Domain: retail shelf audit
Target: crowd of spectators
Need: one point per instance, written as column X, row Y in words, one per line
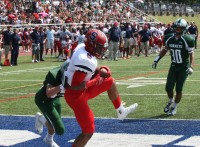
column 64, row 11
column 70, row 13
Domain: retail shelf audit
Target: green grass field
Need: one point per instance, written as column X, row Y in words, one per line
column 136, row 81
column 168, row 19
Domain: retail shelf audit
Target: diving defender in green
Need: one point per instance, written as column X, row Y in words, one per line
column 181, row 47
column 48, row 101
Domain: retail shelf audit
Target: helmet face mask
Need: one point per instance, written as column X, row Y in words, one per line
column 179, row 30
column 180, row 26
column 100, row 50
column 96, row 43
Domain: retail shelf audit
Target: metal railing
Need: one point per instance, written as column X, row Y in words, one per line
column 139, row 13
column 151, row 7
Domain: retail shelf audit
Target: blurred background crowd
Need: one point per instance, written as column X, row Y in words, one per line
column 64, row 11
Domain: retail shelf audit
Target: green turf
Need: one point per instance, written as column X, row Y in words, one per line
column 17, row 97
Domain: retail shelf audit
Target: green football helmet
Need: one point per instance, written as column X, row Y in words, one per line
column 180, row 26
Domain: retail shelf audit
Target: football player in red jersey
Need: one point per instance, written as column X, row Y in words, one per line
column 83, row 70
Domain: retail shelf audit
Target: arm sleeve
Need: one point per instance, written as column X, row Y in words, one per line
column 78, row 78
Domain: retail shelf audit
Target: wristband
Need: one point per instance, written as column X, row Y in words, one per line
column 53, row 96
column 61, row 87
column 157, row 58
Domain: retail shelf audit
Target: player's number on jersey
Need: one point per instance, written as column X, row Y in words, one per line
column 176, row 56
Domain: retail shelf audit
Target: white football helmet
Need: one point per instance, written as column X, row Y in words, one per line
column 180, row 26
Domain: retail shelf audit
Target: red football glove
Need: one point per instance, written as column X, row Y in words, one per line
column 108, row 74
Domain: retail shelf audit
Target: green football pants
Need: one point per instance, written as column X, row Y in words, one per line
column 51, row 109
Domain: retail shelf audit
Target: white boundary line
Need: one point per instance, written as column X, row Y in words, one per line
column 108, row 118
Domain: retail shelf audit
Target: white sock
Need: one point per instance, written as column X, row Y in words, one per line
column 171, row 100
column 42, row 119
column 121, row 107
column 49, row 137
column 175, row 105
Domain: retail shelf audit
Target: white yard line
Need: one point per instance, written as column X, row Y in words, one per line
column 15, row 93
column 21, row 80
column 50, row 67
column 26, row 70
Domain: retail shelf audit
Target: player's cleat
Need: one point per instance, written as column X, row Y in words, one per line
column 172, row 111
column 167, row 108
column 122, row 113
column 38, row 123
column 51, row 143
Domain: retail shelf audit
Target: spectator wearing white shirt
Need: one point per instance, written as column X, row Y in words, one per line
column 81, row 37
column 50, row 39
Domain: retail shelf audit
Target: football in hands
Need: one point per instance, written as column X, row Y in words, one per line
column 104, row 73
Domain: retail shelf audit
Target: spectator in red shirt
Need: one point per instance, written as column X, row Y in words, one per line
column 69, row 20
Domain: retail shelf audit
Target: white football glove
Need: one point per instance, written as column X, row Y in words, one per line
column 189, row 71
column 62, row 89
column 154, row 64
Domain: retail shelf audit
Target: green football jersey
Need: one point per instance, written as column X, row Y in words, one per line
column 53, row 78
column 179, row 48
